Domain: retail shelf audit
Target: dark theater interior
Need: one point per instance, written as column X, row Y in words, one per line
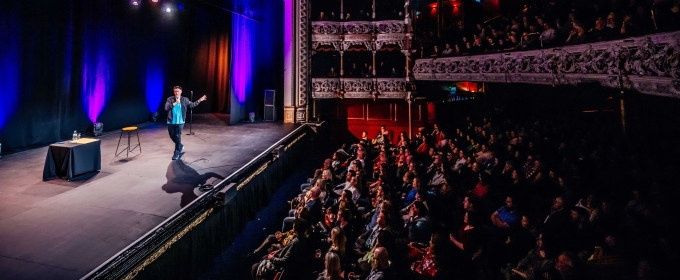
column 339, row 139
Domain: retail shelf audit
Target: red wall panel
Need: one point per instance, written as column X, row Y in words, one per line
column 369, row 115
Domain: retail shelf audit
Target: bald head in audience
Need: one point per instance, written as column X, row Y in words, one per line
column 381, row 258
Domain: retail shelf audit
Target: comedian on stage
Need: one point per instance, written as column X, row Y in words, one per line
column 176, row 106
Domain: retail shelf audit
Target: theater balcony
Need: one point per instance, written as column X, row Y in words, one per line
column 380, row 48
column 648, row 64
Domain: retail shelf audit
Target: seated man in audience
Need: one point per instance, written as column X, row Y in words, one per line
column 448, row 51
column 548, row 35
column 380, row 268
column 419, row 226
column 558, row 221
column 436, row 173
column 345, row 185
column 312, row 204
column 507, row 216
column 291, row 259
column 378, row 236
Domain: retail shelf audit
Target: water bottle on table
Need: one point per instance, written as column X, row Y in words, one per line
column 75, row 136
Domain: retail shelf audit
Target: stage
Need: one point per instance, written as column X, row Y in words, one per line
column 61, row 230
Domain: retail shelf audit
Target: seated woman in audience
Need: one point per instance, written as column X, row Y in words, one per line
column 588, row 203
column 536, row 263
column 338, row 244
column 332, row 268
column 469, row 242
column 435, row 261
column 424, row 147
column 377, row 195
column 481, row 189
column 577, row 35
column 383, row 138
column 403, row 137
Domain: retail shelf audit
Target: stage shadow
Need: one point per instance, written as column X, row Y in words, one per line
column 184, row 179
column 122, row 159
column 84, row 177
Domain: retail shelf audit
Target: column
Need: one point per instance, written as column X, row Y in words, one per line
column 373, row 15
column 374, row 69
column 439, row 18
column 410, row 117
column 289, row 61
column 342, row 63
column 301, row 84
column 342, row 10
column 407, row 70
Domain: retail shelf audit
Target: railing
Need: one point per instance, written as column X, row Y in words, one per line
column 372, row 34
column 243, row 193
column 649, row 64
column 358, row 27
column 383, row 88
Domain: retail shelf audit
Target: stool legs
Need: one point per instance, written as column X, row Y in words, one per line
column 121, row 136
column 138, row 141
column 129, row 148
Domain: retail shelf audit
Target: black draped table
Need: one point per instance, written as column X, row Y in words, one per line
column 71, row 159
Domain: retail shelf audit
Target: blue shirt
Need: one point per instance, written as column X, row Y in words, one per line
column 177, row 114
column 410, row 197
column 513, row 219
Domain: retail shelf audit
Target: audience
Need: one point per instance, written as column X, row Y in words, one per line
column 544, row 24
column 499, row 200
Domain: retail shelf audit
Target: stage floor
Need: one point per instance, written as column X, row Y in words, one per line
column 63, row 230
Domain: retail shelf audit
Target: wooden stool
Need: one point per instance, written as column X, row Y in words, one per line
column 129, row 149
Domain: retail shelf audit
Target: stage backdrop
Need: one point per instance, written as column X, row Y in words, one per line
column 65, row 64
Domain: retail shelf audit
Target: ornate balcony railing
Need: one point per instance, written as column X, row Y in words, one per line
column 383, row 88
column 371, row 34
column 649, row 64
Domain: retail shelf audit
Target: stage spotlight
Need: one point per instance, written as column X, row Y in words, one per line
column 168, row 10
column 135, row 2
column 155, row 1
column 97, row 129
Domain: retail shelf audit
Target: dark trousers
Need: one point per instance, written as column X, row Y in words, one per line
column 175, row 131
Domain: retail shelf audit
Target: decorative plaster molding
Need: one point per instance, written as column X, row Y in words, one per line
column 371, row 34
column 303, row 58
column 387, row 88
column 390, row 27
column 325, row 85
column 357, row 27
column 649, row 64
column 327, row 27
